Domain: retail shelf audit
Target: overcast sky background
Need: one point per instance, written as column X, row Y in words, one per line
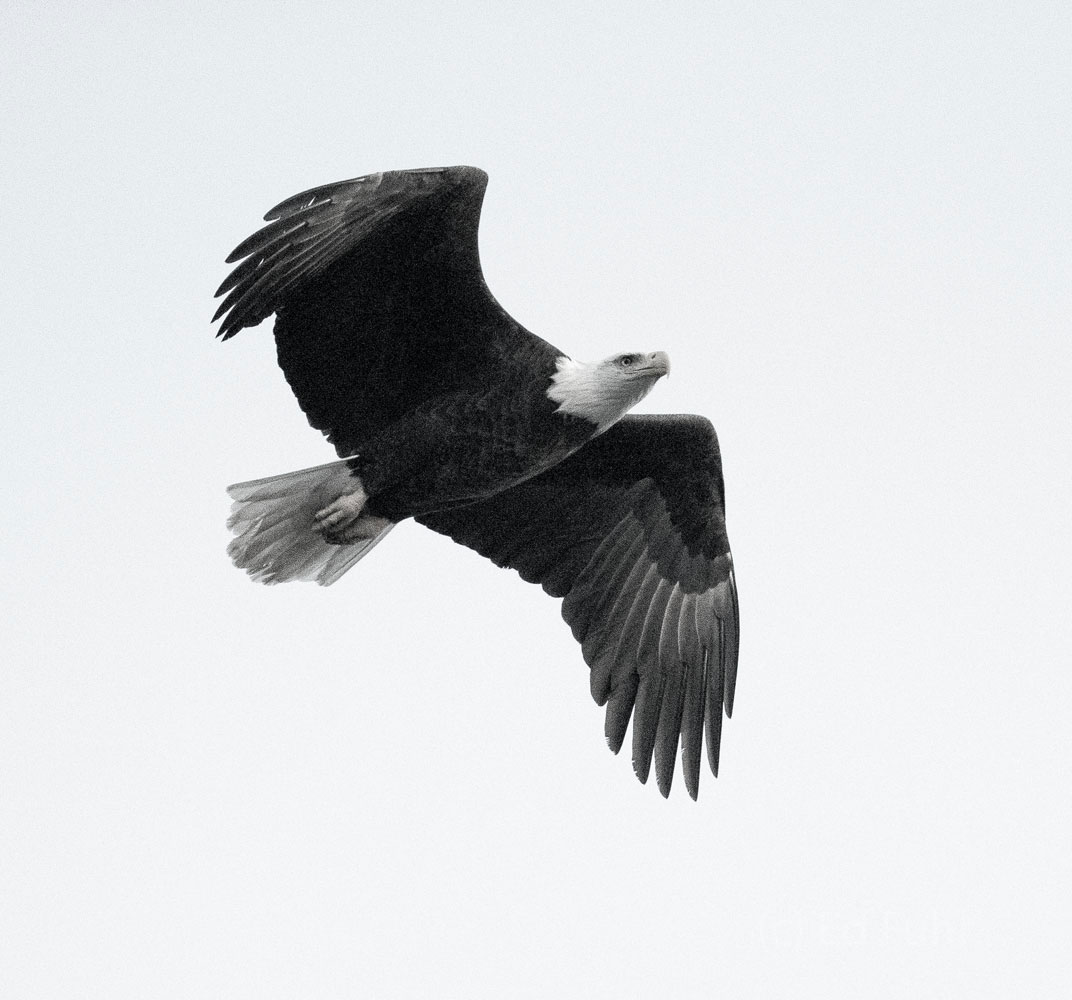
column 850, row 225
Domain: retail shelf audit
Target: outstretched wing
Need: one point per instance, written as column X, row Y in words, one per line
column 631, row 531
column 380, row 300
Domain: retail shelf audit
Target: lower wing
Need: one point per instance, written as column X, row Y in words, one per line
column 631, row 532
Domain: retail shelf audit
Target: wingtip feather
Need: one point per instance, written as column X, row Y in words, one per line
column 619, row 708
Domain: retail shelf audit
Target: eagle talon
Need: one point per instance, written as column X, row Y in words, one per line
column 336, row 517
column 365, row 527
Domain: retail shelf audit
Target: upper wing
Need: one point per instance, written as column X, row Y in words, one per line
column 379, row 296
column 631, row 531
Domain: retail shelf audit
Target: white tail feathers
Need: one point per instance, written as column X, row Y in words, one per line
column 276, row 538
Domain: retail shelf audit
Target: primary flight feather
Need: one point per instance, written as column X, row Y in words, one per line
column 445, row 409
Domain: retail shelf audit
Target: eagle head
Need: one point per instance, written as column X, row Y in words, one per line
column 604, row 391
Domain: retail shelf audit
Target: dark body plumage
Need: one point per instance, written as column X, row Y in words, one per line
column 438, row 400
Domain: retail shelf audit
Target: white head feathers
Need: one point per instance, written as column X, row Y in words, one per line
column 604, row 391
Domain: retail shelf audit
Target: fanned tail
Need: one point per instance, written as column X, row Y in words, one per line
column 275, row 536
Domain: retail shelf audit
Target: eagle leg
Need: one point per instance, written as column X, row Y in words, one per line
column 343, row 515
column 365, row 527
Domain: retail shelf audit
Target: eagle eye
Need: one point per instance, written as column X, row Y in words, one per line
column 628, row 360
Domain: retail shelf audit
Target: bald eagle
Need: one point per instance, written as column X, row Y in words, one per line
column 443, row 408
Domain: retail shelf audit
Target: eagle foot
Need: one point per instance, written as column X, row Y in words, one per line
column 337, row 517
column 365, row 527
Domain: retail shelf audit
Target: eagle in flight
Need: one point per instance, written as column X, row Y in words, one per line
column 445, row 409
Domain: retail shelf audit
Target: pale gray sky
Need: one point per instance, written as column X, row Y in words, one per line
column 849, row 224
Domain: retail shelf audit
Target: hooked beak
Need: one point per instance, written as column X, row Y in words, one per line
column 659, row 363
